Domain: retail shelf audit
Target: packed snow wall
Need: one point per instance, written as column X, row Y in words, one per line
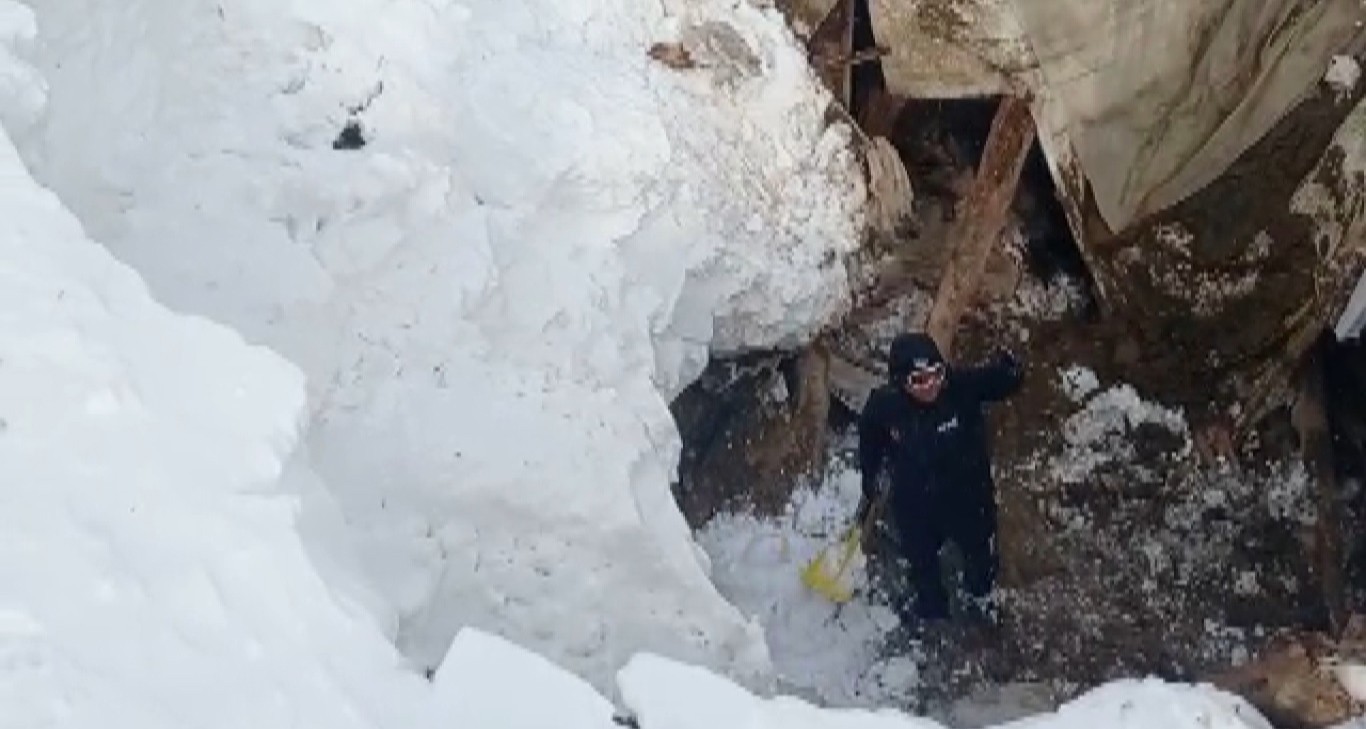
column 529, row 242
column 151, row 571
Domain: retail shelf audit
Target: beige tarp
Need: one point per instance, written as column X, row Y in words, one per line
column 1151, row 99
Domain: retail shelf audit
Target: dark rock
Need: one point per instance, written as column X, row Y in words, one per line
column 351, row 137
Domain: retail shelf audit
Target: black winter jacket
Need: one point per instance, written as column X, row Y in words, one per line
column 932, row 447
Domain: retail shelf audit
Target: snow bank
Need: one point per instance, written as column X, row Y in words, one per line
column 667, row 695
column 486, row 682
column 663, row 694
column 150, row 575
column 494, row 298
column 1150, row 704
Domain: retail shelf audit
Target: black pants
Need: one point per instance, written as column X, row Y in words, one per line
column 925, row 521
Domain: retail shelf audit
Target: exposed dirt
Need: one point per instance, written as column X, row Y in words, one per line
column 753, row 426
column 1137, row 536
column 1123, row 554
column 1215, row 287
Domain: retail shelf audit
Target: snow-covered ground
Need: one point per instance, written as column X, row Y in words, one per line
column 830, row 655
column 663, row 694
column 843, row 657
column 834, row 656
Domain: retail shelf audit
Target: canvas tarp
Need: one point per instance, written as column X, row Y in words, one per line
column 1151, row 99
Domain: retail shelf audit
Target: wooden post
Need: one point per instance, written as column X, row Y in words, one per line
column 831, row 48
column 978, row 226
column 1311, row 421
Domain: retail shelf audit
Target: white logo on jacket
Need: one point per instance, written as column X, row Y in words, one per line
column 947, row 425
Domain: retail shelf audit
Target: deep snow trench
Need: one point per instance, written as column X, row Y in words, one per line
column 484, row 309
column 494, row 298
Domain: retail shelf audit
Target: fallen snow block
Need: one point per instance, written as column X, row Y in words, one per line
column 1150, row 704
column 488, row 682
column 663, row 694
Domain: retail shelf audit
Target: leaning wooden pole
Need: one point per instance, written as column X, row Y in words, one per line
column 977, row 228
column 982, row 217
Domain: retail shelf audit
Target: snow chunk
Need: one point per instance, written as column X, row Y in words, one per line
column 1047, row 301
column 1342, row 75
column 1079, row 382
column 664, row 694
column 1291, row 497
column 1098, row 434
column 667, row 695
column 489, row 682
column 1151, row 704
column 1246, row 583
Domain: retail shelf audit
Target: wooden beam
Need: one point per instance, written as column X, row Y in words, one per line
column 1310, row 417
column 975, row 230
column 978, row 226
column 830, row 48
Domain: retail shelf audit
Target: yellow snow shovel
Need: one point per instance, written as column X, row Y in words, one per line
column 827, row 573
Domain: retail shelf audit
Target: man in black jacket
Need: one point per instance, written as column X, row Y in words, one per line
column 927, row 423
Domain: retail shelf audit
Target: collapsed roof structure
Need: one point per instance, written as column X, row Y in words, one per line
column 1146, row 111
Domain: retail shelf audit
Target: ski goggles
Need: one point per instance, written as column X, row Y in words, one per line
column 926, row 376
